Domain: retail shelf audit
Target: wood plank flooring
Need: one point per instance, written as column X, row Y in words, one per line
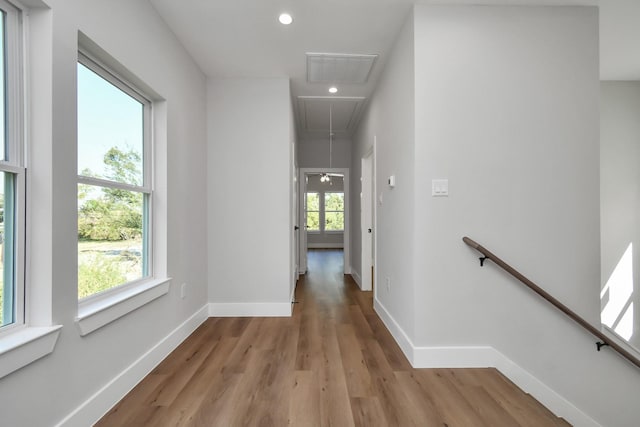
column 333, row 363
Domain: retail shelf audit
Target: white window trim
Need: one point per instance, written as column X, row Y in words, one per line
column 25, row 345
column 93, row 315
column 322, row 212
column 22, row 344
column 306, row 211
column 102, row 309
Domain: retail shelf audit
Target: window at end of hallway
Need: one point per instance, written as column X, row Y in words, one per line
column 312, row 210
column 334, row 211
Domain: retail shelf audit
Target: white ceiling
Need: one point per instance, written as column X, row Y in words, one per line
column 242, row 38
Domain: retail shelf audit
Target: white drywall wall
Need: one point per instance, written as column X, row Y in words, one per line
column 249, row 136
column 314, row 153
column 507, row 110
column 619, row 201
column 133, row 34
column 390, row 119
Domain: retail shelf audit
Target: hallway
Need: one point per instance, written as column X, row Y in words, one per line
column 333, row 363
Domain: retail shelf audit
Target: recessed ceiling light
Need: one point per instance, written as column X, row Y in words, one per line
column 285, row 19
column 333, row 89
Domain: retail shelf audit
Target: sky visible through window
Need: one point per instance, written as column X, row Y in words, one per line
column 107, row 118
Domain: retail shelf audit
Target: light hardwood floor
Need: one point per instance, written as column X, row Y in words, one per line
column 333, row 363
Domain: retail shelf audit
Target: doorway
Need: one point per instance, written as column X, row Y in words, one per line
column 305, row 174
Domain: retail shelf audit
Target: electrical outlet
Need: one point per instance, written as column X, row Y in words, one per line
column 388, row 283
column 183, row 290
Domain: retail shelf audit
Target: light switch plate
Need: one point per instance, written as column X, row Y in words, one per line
column 439, row 187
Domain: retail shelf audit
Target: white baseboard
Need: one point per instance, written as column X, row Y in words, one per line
column 483, row 357
column 325, row 245
column 104, row 399
column 356, row 278
column 397, row 332
column 543, row 393
column 241, row 309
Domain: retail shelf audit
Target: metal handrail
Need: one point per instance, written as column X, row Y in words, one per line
column 604, row 340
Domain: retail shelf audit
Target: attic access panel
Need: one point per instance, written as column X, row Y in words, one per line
column 344, row 68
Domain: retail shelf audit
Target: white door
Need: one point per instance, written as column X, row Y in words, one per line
column 295, row 262
column 366, row 221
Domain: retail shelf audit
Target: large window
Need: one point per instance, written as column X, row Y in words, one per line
column 114, row 181
column 12, row 171
column 324, row 211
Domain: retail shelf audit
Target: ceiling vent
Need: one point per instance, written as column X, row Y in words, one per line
column 339, row 67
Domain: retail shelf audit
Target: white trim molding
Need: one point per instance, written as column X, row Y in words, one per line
column 356, row 277
column 26, row 345
column 483, row 357
column 100, row 312
column 248, row 309
column 104, row 399
column 325, row 245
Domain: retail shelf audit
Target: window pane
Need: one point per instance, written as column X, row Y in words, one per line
column 3, row 80
column 110, row 130
column 334, row 201
column 7, row 275
column 111, row 226
column 313, row 221
column 334, row 221
column 313, row 202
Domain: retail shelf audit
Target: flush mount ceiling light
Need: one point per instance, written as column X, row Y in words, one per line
column 333, row 89
column 285, row 19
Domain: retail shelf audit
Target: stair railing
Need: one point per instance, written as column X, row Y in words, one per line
column 604, row 340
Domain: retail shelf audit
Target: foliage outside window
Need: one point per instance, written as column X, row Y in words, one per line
column 12, row 171
column 113, row 181
column 312, row 208
column 334, row 211
column 325, row 211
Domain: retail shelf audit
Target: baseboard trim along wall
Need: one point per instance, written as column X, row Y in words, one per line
column 104, row 399
column 356, row 278
column 325, row 245
column 483, row 357
column 242, row 309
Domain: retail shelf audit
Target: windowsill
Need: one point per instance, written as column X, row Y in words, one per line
column 26, row 345
column 96, row 314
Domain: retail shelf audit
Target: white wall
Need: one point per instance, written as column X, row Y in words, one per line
column 314, row 153
column 619, row 190
column 507, row 110
column 390, row 119
column 43, row 393
column 249, row 135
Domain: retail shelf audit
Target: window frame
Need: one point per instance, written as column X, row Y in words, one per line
column 97, row 66
column 324, row 212
column 14, row 156
column 306, row 211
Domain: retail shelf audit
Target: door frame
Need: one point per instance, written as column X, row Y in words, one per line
column 367, row 220
column 347, row 214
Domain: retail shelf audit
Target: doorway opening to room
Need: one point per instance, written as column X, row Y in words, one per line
column 324, row 213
